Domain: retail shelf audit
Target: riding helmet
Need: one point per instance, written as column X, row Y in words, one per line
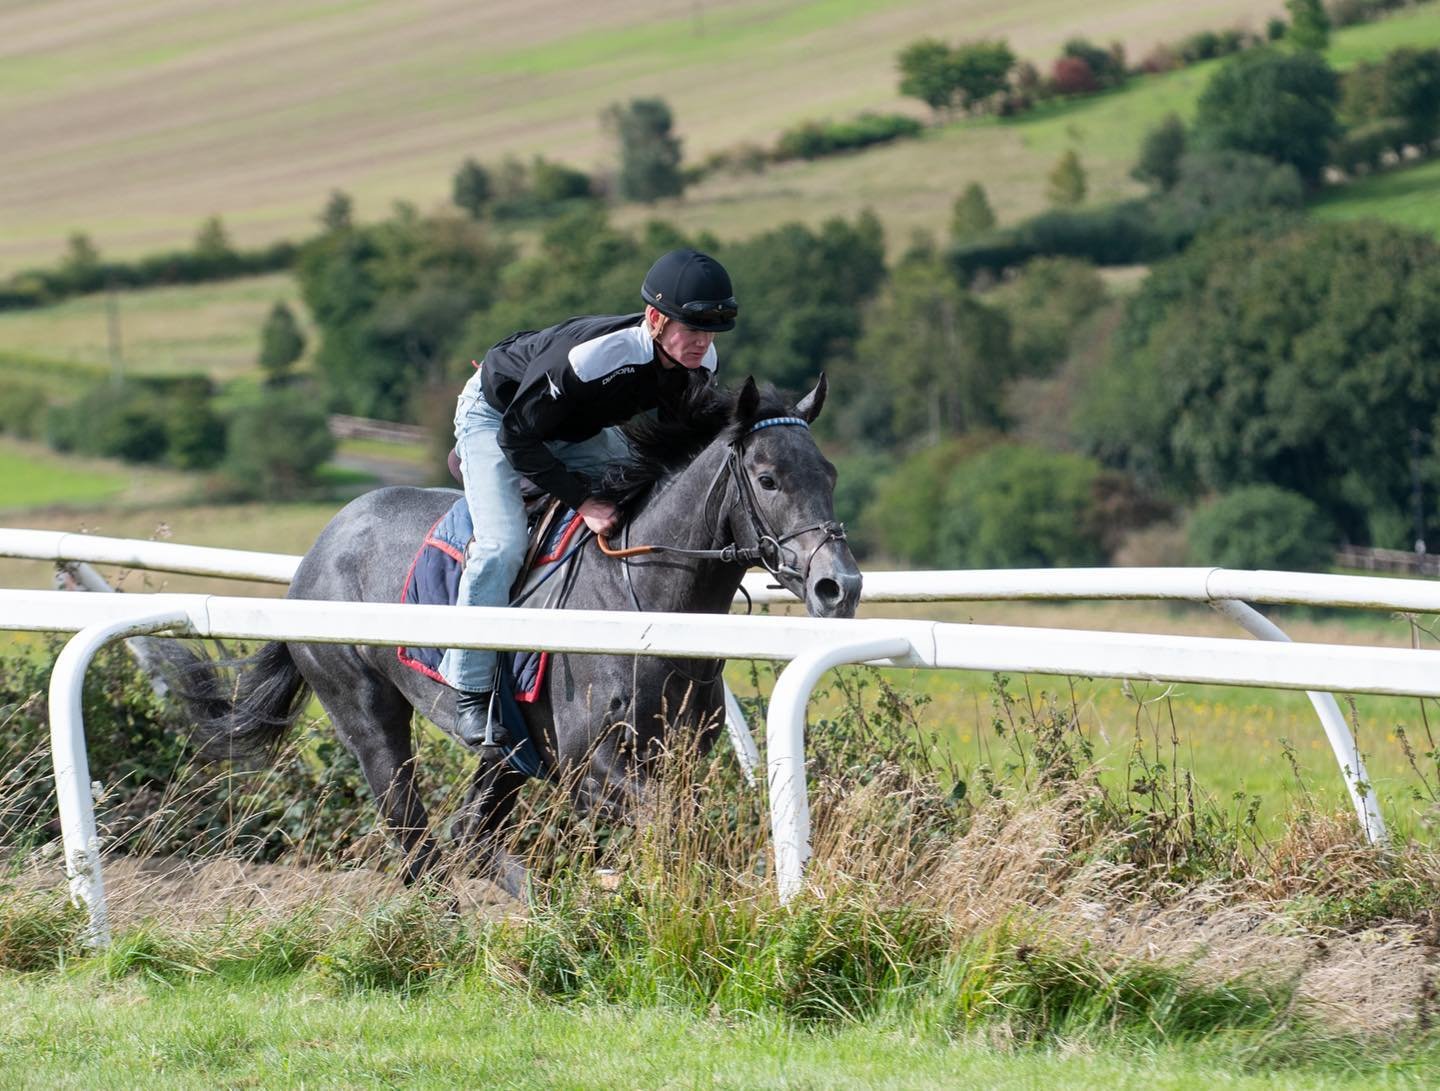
column 692, row 288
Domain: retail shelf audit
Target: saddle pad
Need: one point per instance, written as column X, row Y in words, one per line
column 434, row 579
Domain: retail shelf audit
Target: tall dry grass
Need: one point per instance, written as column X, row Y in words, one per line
column 1025, row 901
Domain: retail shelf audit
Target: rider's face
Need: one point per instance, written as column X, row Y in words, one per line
column 684, row 345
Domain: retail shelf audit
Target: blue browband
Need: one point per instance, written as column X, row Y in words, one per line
column 770, row 422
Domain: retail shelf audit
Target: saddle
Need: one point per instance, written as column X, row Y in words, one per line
column 434, row 579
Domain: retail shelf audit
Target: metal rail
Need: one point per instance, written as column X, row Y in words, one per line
column 810, row 645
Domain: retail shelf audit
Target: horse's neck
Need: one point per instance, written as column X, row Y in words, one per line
column 685, row 514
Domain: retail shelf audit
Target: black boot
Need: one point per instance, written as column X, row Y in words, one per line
column 474, row 709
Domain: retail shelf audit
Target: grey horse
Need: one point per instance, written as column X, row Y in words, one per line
column 750, row 486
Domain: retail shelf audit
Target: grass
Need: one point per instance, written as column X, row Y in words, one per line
column 1408, row 196
column 33, row 477
column 911, row 184
column 1012, row 940
column 78, row 1033
column 213, row 329
column 1037, row 922
column 136, row 128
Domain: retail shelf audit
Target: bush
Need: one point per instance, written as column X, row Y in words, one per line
column 146, row 420
column 901, row 517
column 1073, row 76
column 276, row 447
column 1107, row 66
column 1013, row 506
column 22, row 410
column 814, row 139
column 1262, row 526
column 858, row 478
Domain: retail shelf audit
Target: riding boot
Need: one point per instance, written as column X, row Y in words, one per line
column 479, row 724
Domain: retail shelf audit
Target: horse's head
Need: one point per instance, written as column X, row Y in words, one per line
column 785, row 502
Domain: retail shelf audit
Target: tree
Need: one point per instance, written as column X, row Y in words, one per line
column 213, row 241
column 942, row 356
column 926, row 73
column 1402, row 90
column 1012, row 506
column 276, row 446
column 81, row 266
column 391, row 301
column 1160, row 152
column 979, row 70
column 802, row 293
column 1309, row 25
column 971, row 214
column 471, row 190
column 1065, row 185
column 338, row 213
column 1280, row 105
column 649, row 150
column 1046, row 304
column 1292, row 354
column 281, row 343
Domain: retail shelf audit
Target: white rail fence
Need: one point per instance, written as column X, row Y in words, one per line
column 810, row 646
column 1225, row 590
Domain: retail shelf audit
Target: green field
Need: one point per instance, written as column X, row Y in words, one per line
column 214, row 328
column 208, row 328
column 1408, row 196
column 135, row 125
column 78, row 1032
column 778, row 66
column 911, row 184
column 33, row 477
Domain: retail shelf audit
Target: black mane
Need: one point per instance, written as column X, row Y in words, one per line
column 665, row 444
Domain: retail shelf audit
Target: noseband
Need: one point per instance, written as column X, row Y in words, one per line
column 770, row 550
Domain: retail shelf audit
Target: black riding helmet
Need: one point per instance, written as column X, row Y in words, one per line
column 693, row 288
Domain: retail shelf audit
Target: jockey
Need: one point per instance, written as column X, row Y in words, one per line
column 545, row 405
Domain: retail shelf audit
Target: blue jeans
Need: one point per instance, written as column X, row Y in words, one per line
column 492, row 489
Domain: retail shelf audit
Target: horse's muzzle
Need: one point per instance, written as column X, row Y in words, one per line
column 834, row 593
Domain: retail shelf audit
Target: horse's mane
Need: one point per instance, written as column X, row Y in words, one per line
column 663, row 444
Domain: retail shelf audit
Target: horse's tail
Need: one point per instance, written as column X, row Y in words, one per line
column 244, row 714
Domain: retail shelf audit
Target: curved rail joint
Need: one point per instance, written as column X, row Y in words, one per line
column 1342, row 742
column 785, row 747
column 72, row 765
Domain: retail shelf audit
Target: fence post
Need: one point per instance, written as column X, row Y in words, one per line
column 72, row 764
column 785, row 747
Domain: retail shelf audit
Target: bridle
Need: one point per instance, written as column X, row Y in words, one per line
column 770, row 550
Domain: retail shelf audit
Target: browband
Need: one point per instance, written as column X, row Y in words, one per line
column 770, row 422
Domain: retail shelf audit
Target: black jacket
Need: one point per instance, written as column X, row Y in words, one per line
column 568, row 383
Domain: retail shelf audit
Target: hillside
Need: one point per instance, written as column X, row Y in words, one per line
column 133, row 121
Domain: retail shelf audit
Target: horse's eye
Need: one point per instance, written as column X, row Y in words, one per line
column 767, row 482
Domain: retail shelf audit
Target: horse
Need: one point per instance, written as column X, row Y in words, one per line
column 732, row 481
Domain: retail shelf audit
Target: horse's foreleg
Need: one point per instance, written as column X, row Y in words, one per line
column 484, row 823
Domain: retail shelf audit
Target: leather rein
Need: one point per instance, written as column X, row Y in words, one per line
column 770, row 549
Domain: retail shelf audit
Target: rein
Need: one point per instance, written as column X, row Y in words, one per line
column 770, row 549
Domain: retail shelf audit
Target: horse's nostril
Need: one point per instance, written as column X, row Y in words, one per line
column 827, row 590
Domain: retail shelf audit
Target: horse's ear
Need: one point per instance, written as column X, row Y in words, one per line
column 809, row 406
column 748, row 403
